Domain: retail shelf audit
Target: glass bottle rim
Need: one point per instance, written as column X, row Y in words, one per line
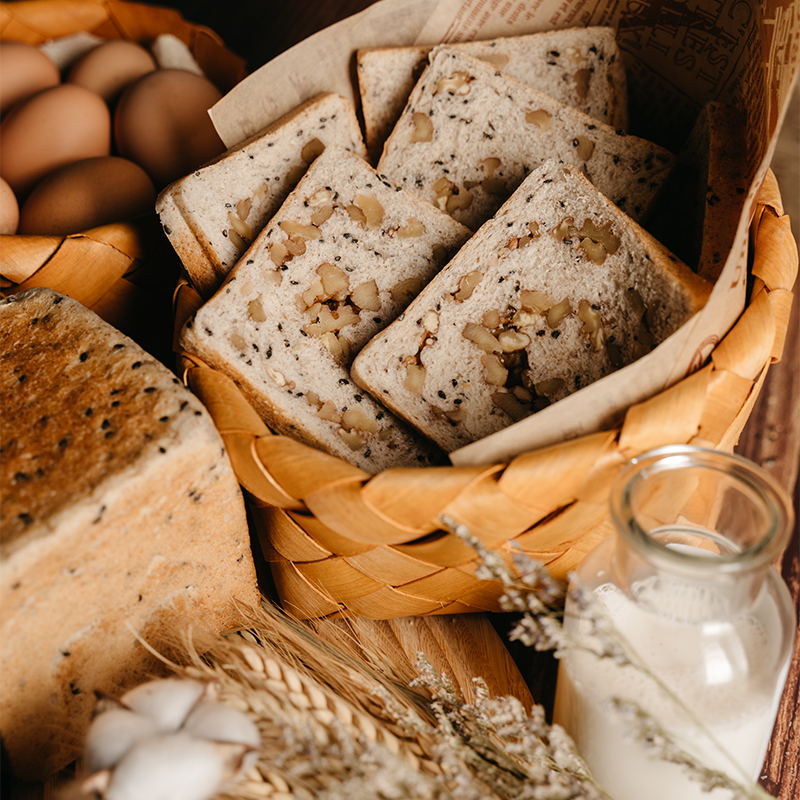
column 779, row 511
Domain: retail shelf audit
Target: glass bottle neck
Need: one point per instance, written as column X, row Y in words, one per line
column 699, row 593
column 696, row 531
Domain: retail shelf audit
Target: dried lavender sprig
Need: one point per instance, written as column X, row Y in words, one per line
column 659, row 744
column 518, row 754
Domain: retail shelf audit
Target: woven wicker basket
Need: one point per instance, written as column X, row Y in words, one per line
column 342, row 541
column 125, row 272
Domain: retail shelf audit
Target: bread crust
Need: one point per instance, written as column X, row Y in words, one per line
column 122, row 523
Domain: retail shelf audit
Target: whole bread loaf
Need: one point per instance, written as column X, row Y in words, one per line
column 557, row 290
column 580, row 67
column 213, row 214
column 340, row 260
column 470, row 134
column 120, row 517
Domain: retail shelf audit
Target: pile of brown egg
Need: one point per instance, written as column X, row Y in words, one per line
column 91, row 141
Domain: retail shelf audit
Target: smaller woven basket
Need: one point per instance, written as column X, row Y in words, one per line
column 341, row 541
column 124, row 271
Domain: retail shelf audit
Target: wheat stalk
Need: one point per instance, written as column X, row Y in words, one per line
column 337, row 721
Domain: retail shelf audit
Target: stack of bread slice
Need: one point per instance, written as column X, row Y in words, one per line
column 579, row 67
column 341, row 259
column 552, row 283
column 213, row 214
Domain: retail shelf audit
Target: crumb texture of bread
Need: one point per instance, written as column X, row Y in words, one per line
column 470, row 134
column 212, row 215
column 580, row 67
column 121, row 518
column 557, row 290
column 342, row 258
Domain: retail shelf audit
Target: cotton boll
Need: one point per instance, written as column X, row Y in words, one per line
column 168, row 700
column 221, row 723
column 173, row 766
column 112, row 734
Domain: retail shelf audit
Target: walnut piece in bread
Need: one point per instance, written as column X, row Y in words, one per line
column 558, row 289
column 120, row 517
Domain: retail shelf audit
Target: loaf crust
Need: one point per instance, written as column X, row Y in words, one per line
column 120, row 516
column 538, row 304
column 212, row 215
column 470, row 134
column 580, row 67
column 340, row 260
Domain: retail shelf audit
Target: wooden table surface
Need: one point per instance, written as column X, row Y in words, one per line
column 260, row 29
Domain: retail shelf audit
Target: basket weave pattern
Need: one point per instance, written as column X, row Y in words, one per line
column 342, row 541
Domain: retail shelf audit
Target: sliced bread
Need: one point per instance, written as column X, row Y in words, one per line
column 470, row 134
column 580, row 67
column 340, row 260
column 212, row 215
column 121, row 522
column 557, row 290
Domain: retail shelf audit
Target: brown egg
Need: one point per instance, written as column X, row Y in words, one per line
column 9, row 209
column 162, row 123
column 111, row 67
column 87, row 194
column 55, row 127
column 24, row 71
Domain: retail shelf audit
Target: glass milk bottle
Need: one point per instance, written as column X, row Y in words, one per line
column 687, row 582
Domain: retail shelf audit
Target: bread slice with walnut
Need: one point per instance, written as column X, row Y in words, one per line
column 340, row 260
column 212, row 215
column 580, row 67
column 470, row 134
column 557, row 290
